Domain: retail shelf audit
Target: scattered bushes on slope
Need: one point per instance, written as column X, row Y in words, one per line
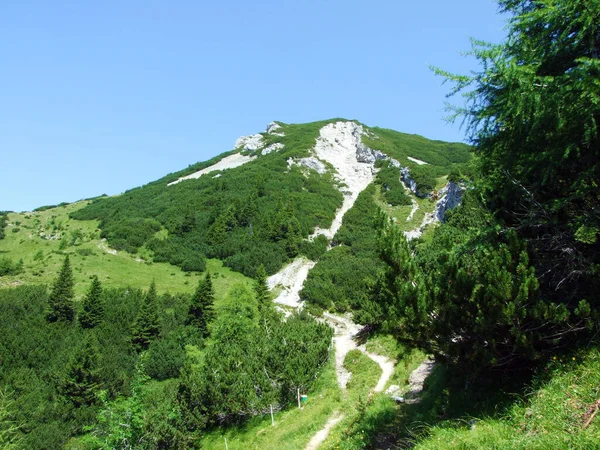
column 441, row 157
column 251, row 215
column 251, row 364
column 8, row 267
column 388, row 178
column 3, row 222
column 341, row 277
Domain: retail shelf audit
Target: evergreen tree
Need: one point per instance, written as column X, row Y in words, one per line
column 82, row 381
column 201, row 311
column 533, row 113
column 93, row 308
column 146, row 327
column 61, row 297
column 263, row 296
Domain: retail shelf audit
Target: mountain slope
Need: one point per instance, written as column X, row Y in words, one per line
column 258, row 203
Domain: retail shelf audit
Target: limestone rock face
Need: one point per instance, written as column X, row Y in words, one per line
column 408, row 181
column 272, row 148
column 365, row 154
column 273, row 128
column 250, row 143
column 310, row 163
column 450, row 197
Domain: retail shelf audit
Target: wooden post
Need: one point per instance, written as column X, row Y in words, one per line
column 226, row 447
column 298, row 397
column 272, row 419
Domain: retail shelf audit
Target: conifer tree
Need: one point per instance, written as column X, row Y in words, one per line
column 93, row 308
column 201, row 311
column 263, row 297
column 146, row 327
column 82, row 380
column 61, row 297
column 533, row 112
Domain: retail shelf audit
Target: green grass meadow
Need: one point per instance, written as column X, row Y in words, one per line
column 43, row 238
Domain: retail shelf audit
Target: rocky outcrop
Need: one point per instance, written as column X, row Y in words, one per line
column 449, row 198
column 310, row 163
column 250, row 143
column 272, row 148
column 367, row 155
column 409, row 182
column 273, row 128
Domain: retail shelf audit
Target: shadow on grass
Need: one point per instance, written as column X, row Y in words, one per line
column 448, row 396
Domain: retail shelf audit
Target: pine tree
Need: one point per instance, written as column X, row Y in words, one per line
column 82, row 380
column 263, row 296
column 146, row 327
column 201, row 311
column 93, row 308
column 61, row 297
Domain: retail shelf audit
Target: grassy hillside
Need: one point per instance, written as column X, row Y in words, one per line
column 41, row 239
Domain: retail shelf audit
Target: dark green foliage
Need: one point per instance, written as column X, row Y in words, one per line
column 471, row 296
column 60, row 302
column 261, row 291
column 314, row 249
column 35, row 357
column 251, row 215
column 3, row 222
column 130, row 233
column 201, row 312
column 342, row 275
column 145, row 420
column 297, row 350
column 442, row 157
column 424, row 176
column 388, row 178
column 7, row 267
column 146, row 327
column 189, row 255
column 47, row 207
column 85, row 252
column 533, row 113
column 164, row 358
column 435, row 153
column 251, row 364
column 93, row 308
column 82, row 381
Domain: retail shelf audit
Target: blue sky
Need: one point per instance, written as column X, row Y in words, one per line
column 100, row 97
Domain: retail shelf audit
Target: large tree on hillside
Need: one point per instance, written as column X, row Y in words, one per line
column 533, row 112
column 60, row 301
column 93, row 308
column 82, row 381
column 201, row 311
column 261, row 290
column 146, row 327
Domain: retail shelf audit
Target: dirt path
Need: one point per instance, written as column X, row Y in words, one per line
column 416, row 380
column 343, row 339
column 322, row 434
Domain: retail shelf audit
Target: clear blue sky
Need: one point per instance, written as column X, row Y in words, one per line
column 99, row 97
